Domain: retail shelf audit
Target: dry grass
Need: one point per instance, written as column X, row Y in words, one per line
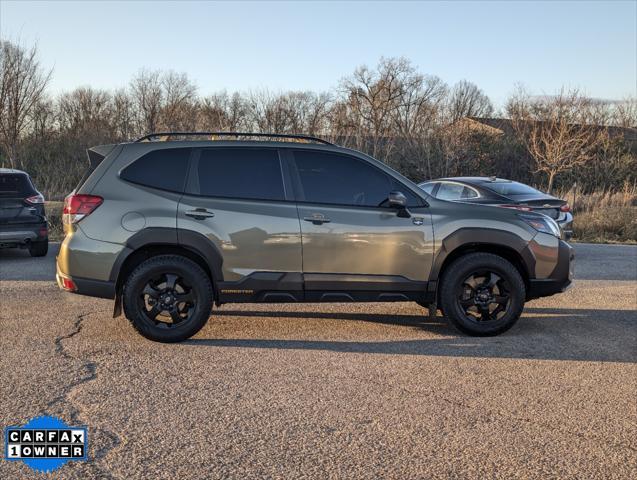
column 54, row 214
column 600, row 217
column 605, row 216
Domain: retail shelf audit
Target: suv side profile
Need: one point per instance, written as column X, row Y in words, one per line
column 173, row 223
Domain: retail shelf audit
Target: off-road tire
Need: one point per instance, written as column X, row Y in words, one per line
column 185, row 269
column 453, row 278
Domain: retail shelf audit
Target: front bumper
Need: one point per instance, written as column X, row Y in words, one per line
column 560, row 279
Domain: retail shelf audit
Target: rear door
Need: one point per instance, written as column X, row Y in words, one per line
column 15, row 188
column 351, row 242
column 236, row 197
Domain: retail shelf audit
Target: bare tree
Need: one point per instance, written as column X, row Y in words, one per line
column 223, row 112
column 552, row 130
column 371, row 101
column 467, row 100
column 86, row 111
column 148, row 98
column 178, row 108
column 22, row 84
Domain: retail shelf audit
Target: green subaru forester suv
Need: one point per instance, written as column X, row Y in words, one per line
column 173, row 223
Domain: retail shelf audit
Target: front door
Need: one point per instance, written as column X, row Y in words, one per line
column 351, row 241
column 236, row 198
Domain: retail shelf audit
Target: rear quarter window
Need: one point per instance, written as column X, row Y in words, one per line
column 163, row 169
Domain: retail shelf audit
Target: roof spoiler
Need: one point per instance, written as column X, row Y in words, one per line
column 97, row 154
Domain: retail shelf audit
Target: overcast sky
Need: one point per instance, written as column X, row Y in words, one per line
column 311, row 45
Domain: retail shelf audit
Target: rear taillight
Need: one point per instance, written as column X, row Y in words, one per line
column 76, row 207
column 35, row 199
column 565, row 208
column 517, row 207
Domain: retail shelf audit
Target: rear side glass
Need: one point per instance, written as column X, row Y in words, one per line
column 163, row 169
column 15, row 184
column 428, row 187
column 251, row 173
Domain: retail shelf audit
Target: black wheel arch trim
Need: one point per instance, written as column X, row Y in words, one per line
column 483, row 237
column 165, row 236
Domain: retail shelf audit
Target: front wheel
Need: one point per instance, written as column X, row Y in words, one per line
column 482, row 294
column 168, row 298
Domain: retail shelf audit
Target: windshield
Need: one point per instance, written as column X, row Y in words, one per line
column 512, row 188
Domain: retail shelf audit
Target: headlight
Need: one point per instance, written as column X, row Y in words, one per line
column 542, row 223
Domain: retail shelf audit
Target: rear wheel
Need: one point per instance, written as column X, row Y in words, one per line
column 168, row 298
column 39, row 248
column 482, row 294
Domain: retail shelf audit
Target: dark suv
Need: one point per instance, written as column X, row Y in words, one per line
column 173, row 223
column 22, row 218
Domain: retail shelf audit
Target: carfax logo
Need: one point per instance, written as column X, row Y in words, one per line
column 45, row 443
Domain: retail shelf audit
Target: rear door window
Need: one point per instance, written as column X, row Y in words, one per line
column 163, row 169
column 243, row 173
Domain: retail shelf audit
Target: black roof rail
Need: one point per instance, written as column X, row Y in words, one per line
column 164, row 136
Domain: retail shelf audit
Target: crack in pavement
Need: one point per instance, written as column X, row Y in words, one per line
column 89, row 369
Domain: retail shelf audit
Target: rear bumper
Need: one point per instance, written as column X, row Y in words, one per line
column 560, row 279
column 22, row 234
column 85, row 286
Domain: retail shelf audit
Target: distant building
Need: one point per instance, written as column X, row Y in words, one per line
column 504, row 126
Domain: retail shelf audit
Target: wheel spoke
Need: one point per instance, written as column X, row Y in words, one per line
column 151, row 291
column 171, row 280
column 174, row 314
column 187, row 297
column 493, row 279
column 154, row 312
column 467, row 303
column 471, row 281
column 501, row 299
column 485, row 315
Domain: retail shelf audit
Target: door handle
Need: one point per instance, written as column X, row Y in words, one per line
column 199, row 214
column 317, row 219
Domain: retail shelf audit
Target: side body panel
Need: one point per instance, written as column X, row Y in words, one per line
column 252, row 236
column 367, row 241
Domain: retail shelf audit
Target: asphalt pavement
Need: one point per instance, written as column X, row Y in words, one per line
column 331, row 390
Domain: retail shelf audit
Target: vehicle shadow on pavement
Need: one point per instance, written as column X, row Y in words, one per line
column 542, row 334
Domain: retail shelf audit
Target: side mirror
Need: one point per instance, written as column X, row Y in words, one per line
column 398, row 200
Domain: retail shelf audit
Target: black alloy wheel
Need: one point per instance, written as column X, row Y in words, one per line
column 482, row 294
column 168, row 298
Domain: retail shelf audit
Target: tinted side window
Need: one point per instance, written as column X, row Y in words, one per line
column 342, row 180
column 241, row 173
column 163, row 169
